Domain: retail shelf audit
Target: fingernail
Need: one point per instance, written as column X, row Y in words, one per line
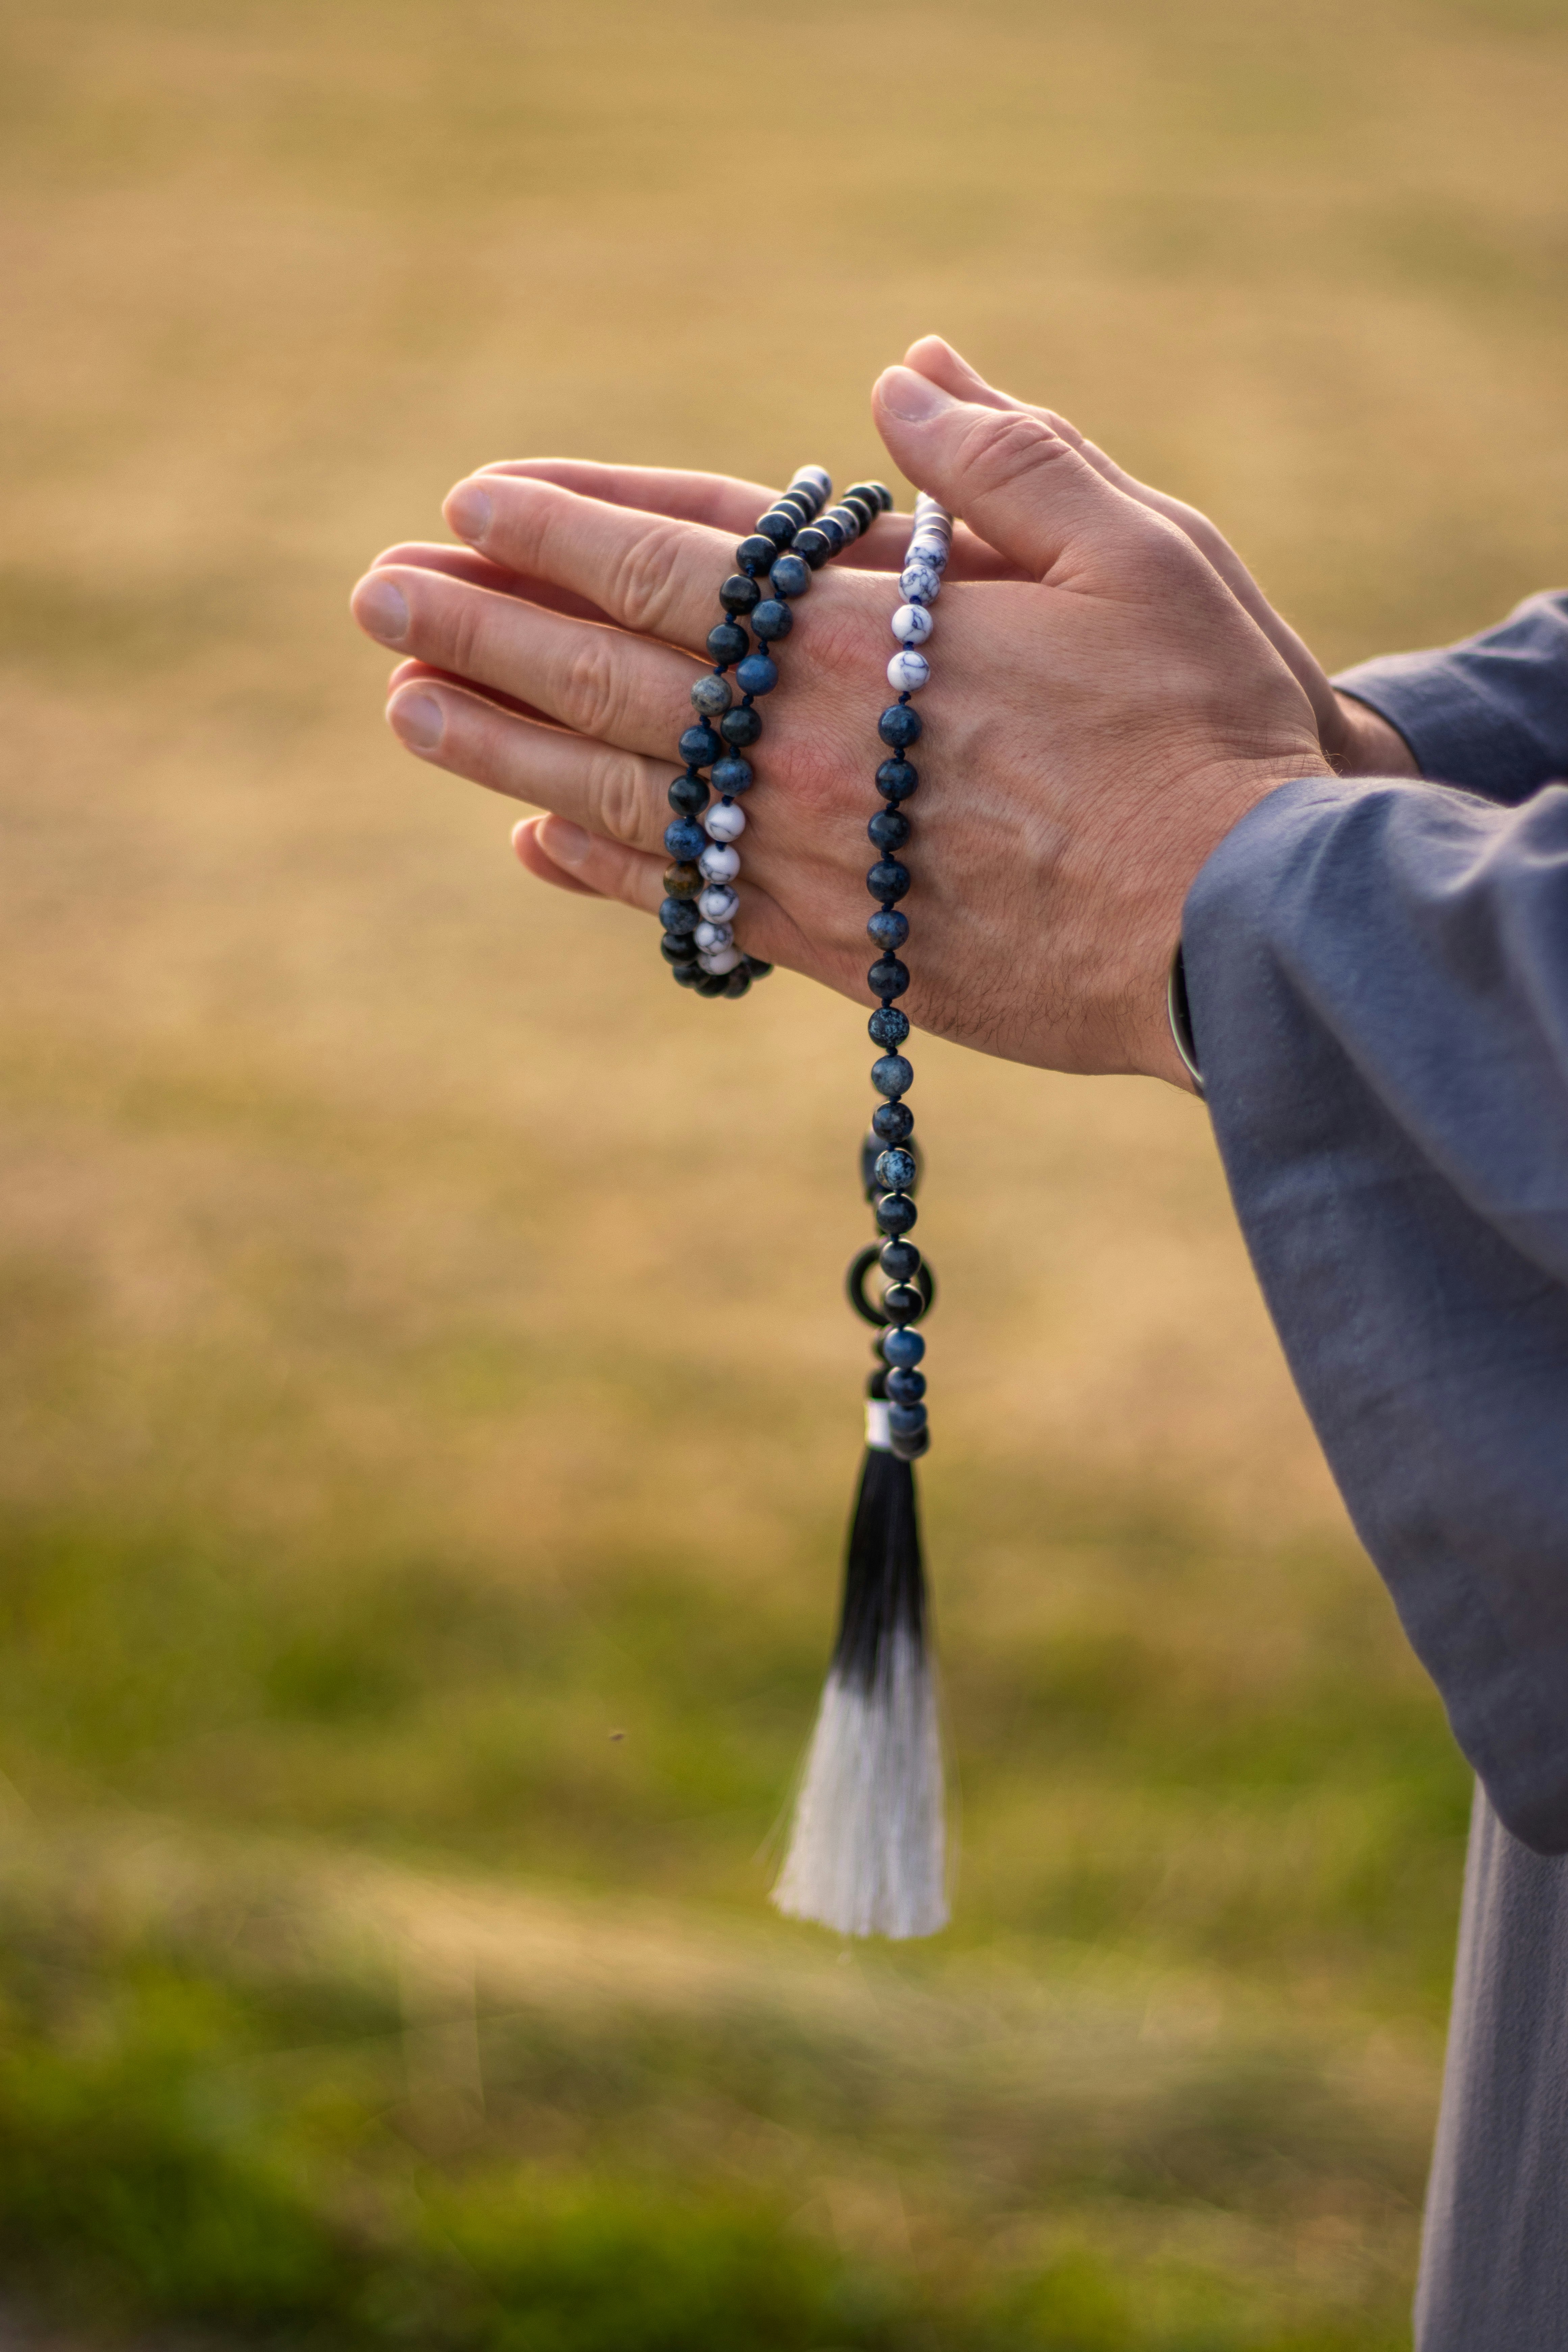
column 469, row 511
column 913, row 397
column 418, row 721
column 563, row 844
column 381, row 610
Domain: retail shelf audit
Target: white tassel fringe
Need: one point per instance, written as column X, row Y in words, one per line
column 866, row 1854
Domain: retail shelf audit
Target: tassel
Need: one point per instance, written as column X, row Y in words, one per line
column 867, row 1850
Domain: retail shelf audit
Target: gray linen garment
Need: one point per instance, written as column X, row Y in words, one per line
column 1379, row 982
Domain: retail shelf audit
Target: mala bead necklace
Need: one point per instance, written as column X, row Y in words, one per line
column 795, row 538
column 867, row 1851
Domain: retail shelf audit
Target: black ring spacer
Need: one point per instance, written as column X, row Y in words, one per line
column 855, row 1284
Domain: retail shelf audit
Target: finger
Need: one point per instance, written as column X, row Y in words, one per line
column 611, row 792
column 1019, row 483
column 537, row 861
column 605, row 869
column 600, row 681
column 410, row 673
column 464, row 564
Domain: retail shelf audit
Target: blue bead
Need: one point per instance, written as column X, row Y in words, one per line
column 887, row 977
column 773, row 618
column 757, row 675
column 899, row 1261
column 741, row 726
column 812, row 546
column 905, row 1387
column 680, row 915
column 847, row 517
column 739, row 593
column 777, row 525
column 728, row 642
column 906, row 1420
column 899, row 725
column 887, row 926
column 687, row 795
column 698, row 746
column 790, row 576
column 901, row 1302
column 889, row 828
column 902, row 1349
column 891, row 1074
column 877, row 496
column 895, row 1169
column 896, row 779
column 755, row 554
column 832, row 530
column 733, row 774
column 909, row 1449
column 684, row 840
column 888, row 1025
column 896, row 1212
column 892, row 1121
column 887, row 879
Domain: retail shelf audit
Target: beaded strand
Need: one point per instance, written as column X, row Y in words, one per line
column 794, row 539
column 900, row 1390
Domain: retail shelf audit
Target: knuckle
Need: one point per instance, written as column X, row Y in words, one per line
column 1004, row 447
column 620, row 796
column 642, row 582
column 590, row 693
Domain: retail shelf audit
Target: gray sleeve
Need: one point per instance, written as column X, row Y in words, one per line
column 1378, row 975
column 1489, row 714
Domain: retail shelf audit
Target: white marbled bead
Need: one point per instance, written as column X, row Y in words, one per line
column 724, row 959
column 908, row 672
column 912, row 625
column 933, row 552
column 725, row 822
column 709, row 936
column 719, row 863
column 719, row 903
column 922, row 580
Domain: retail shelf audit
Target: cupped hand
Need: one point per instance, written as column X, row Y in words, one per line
column 1102, row 710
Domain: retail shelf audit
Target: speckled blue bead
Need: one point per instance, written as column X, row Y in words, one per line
column 757, row 675
column 889, row 930
column 887, row 977
column 728, row 642
column 812, row 547
column 756, row 553
column 896, row 779
column 906, row 1420
column 773, row 618
column 684, row 840
column 738, row 593
column 899, row 1261
column 687, row 795
column 678, row 915
column 888, row 829
column 790, row 576
column 891, row 1122
column 902, row 1349
column 890, row 1074
column 711, row 694
column 895, row 1169
column 733, row 774
column 899, row 726
column 698, row 746
column 887, row 879
column 896, row 1212
column 905, row 1386
column 777, row 527
column 888, row 1025
column 741, row 726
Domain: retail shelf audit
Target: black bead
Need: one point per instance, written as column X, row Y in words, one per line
column 901, row 1303
column 896, row 1212
column 773, row 618
column 864, row 511
column 833, row 531
column 847, row 518
column 790, row 576
column 887, row 1026
column 906, row 1420
column 805, row 487
column 887, row 977
column 899, row 726
column 676, row 948
column 889, row 828
column 909, row 1449
column 736, row 982
column 887, row 879
column 905, row 1385
column 739, row 593
column 896, row 779
column 892, row 1121
column 728, row 643
column 686, row 976
column 732, row 775
column 778, row 526
column 755, row 554
column 689, row 795
column 685, row 881
column 812, row 547
column 757, row 968
column 899, row 1261
column 713, row 983
column 741, row 726
column 679, row 916
column 876, row 495
column 699, row 747
column 887, row 927
column 791, row 503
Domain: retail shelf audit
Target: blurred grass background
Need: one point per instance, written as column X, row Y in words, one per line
column 429, row 1413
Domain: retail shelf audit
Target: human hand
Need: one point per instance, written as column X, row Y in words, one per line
column 1103, row 711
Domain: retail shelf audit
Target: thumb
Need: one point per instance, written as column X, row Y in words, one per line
column 1010, row 476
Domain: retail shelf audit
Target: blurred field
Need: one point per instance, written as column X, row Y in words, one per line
column 422, row 1353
